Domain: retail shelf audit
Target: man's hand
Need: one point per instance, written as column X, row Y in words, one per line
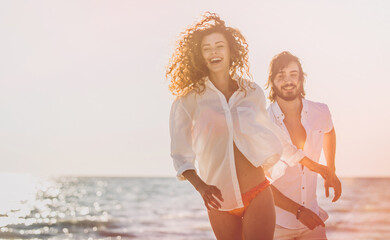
column 333, row 182
column 329, row 176
column 310, row 219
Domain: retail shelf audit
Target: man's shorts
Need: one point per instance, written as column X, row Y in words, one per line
column 282, row 233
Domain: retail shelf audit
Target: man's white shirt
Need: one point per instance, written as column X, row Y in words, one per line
column 299, row 183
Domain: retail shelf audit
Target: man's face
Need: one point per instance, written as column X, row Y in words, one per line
column 287, row 83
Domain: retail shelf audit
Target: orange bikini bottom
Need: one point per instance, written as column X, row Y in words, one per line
column 248, row 197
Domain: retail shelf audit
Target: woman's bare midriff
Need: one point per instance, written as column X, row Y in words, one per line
column 248, row 175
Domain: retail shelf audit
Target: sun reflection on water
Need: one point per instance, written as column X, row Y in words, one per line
column 32, row 207
column 19, row 192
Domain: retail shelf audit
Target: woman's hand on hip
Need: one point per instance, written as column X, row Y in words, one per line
column 210, row 194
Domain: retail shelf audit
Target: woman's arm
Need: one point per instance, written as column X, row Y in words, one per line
column 180, row 124
column 209, row 193
column 304, row 215
column 330, row 178
column 184, row 157
column 323, row 170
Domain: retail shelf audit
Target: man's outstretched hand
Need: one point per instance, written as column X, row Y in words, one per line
column 332, row 181
column 329, row 176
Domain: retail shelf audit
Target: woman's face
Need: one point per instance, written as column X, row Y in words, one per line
column 216, row 52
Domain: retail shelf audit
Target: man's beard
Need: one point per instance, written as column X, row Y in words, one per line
column 289, row 96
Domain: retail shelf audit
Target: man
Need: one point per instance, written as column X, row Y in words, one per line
column 310, row 128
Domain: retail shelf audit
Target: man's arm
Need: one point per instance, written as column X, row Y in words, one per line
column 329, row 147
column 305, row 216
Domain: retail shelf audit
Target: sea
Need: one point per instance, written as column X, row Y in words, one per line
column 160, row 208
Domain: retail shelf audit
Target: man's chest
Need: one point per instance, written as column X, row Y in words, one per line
column 296, row 131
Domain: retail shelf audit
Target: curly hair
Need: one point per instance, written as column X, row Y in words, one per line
column 187, row 68
column 279, row 62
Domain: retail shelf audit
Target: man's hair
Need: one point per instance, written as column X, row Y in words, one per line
column 279, row 62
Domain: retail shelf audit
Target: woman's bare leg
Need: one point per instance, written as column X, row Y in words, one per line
column 225, row 225
column 259, row 219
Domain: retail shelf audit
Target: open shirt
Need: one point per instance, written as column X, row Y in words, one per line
column 299, row 183
column 204, row 126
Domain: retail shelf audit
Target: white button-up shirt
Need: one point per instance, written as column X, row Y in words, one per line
column 300, row 184
column 204, row 126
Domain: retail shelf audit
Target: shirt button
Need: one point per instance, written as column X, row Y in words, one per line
column 303, row 187
column 303, row 202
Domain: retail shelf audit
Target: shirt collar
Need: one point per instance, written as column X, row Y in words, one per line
column 210, row 84
column 304, row 107
column 279, row 114
column 277, row 111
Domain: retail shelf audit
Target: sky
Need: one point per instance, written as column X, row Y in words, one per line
column 83, row 89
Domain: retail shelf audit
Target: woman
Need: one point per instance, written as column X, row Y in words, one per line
column 219, row 120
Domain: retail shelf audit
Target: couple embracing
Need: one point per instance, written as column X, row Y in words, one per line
column 249, row 158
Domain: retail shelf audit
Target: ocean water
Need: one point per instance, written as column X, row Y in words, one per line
column 159, row 208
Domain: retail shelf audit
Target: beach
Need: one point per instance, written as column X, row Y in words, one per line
column 161, row 208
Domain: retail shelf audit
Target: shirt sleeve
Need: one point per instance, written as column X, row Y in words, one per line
column 290, row 154
column 328, row 119
column 180, row 125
